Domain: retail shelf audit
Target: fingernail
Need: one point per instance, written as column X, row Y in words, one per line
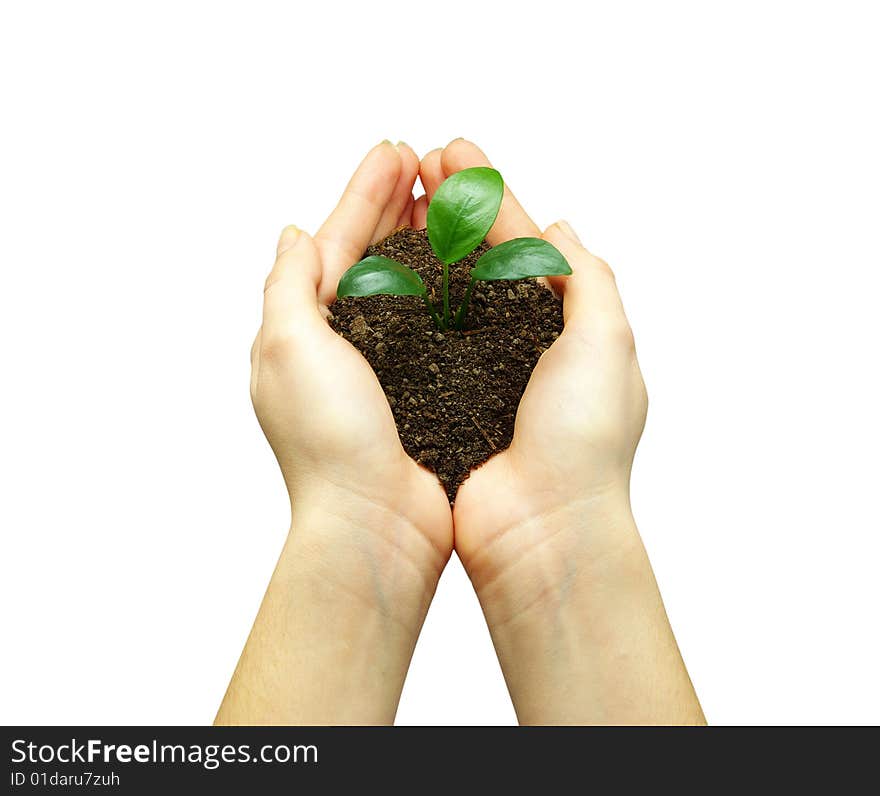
column 289, row 236
column 568, row 231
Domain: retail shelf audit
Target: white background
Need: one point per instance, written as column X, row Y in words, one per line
column 722, row 157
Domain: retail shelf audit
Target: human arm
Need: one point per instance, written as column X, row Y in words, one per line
column 545, row 529
column 370, row 530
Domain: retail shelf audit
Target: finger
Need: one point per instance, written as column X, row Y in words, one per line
column 512, row 221
column 405, row 217
column 350, row 228
column 288, row 237
column 290, row 297
column 420, row 213
column 431, row 172
column 402, row 195
column 589, row 294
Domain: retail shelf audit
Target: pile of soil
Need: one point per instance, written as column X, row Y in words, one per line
column 454, row 394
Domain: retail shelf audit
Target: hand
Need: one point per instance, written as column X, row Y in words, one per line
column 319, row 402
column 582, row 414
column 370, row 529
column 544, row 529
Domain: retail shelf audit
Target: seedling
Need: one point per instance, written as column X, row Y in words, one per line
column 460, row 214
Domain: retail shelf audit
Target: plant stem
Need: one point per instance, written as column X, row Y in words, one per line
column 462, row 310
column 446, row 295
column 434, row 316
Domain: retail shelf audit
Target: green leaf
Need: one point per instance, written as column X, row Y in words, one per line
column 520, row 258
column 376, row 275
column 462, row 211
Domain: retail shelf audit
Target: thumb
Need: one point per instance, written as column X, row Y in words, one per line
column 589, row 294
column 291, row 292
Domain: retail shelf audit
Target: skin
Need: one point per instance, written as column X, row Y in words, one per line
column 370, row 530
column 544, row 529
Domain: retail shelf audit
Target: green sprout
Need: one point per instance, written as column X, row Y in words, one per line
column 460, row 214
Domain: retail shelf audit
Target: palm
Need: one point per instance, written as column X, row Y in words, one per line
column 317, row 398
column 364, row 444
column 583, row 410
column 529, row 478
column 364, row 439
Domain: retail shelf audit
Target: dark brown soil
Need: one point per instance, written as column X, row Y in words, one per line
column 454, row 394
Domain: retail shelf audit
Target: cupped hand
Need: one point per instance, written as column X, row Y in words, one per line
column 323, row 410
column 578, row 422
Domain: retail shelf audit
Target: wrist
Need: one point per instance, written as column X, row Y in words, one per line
column 370, row 554
column 545, row 557
column 578, row 623
column 336, row 631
